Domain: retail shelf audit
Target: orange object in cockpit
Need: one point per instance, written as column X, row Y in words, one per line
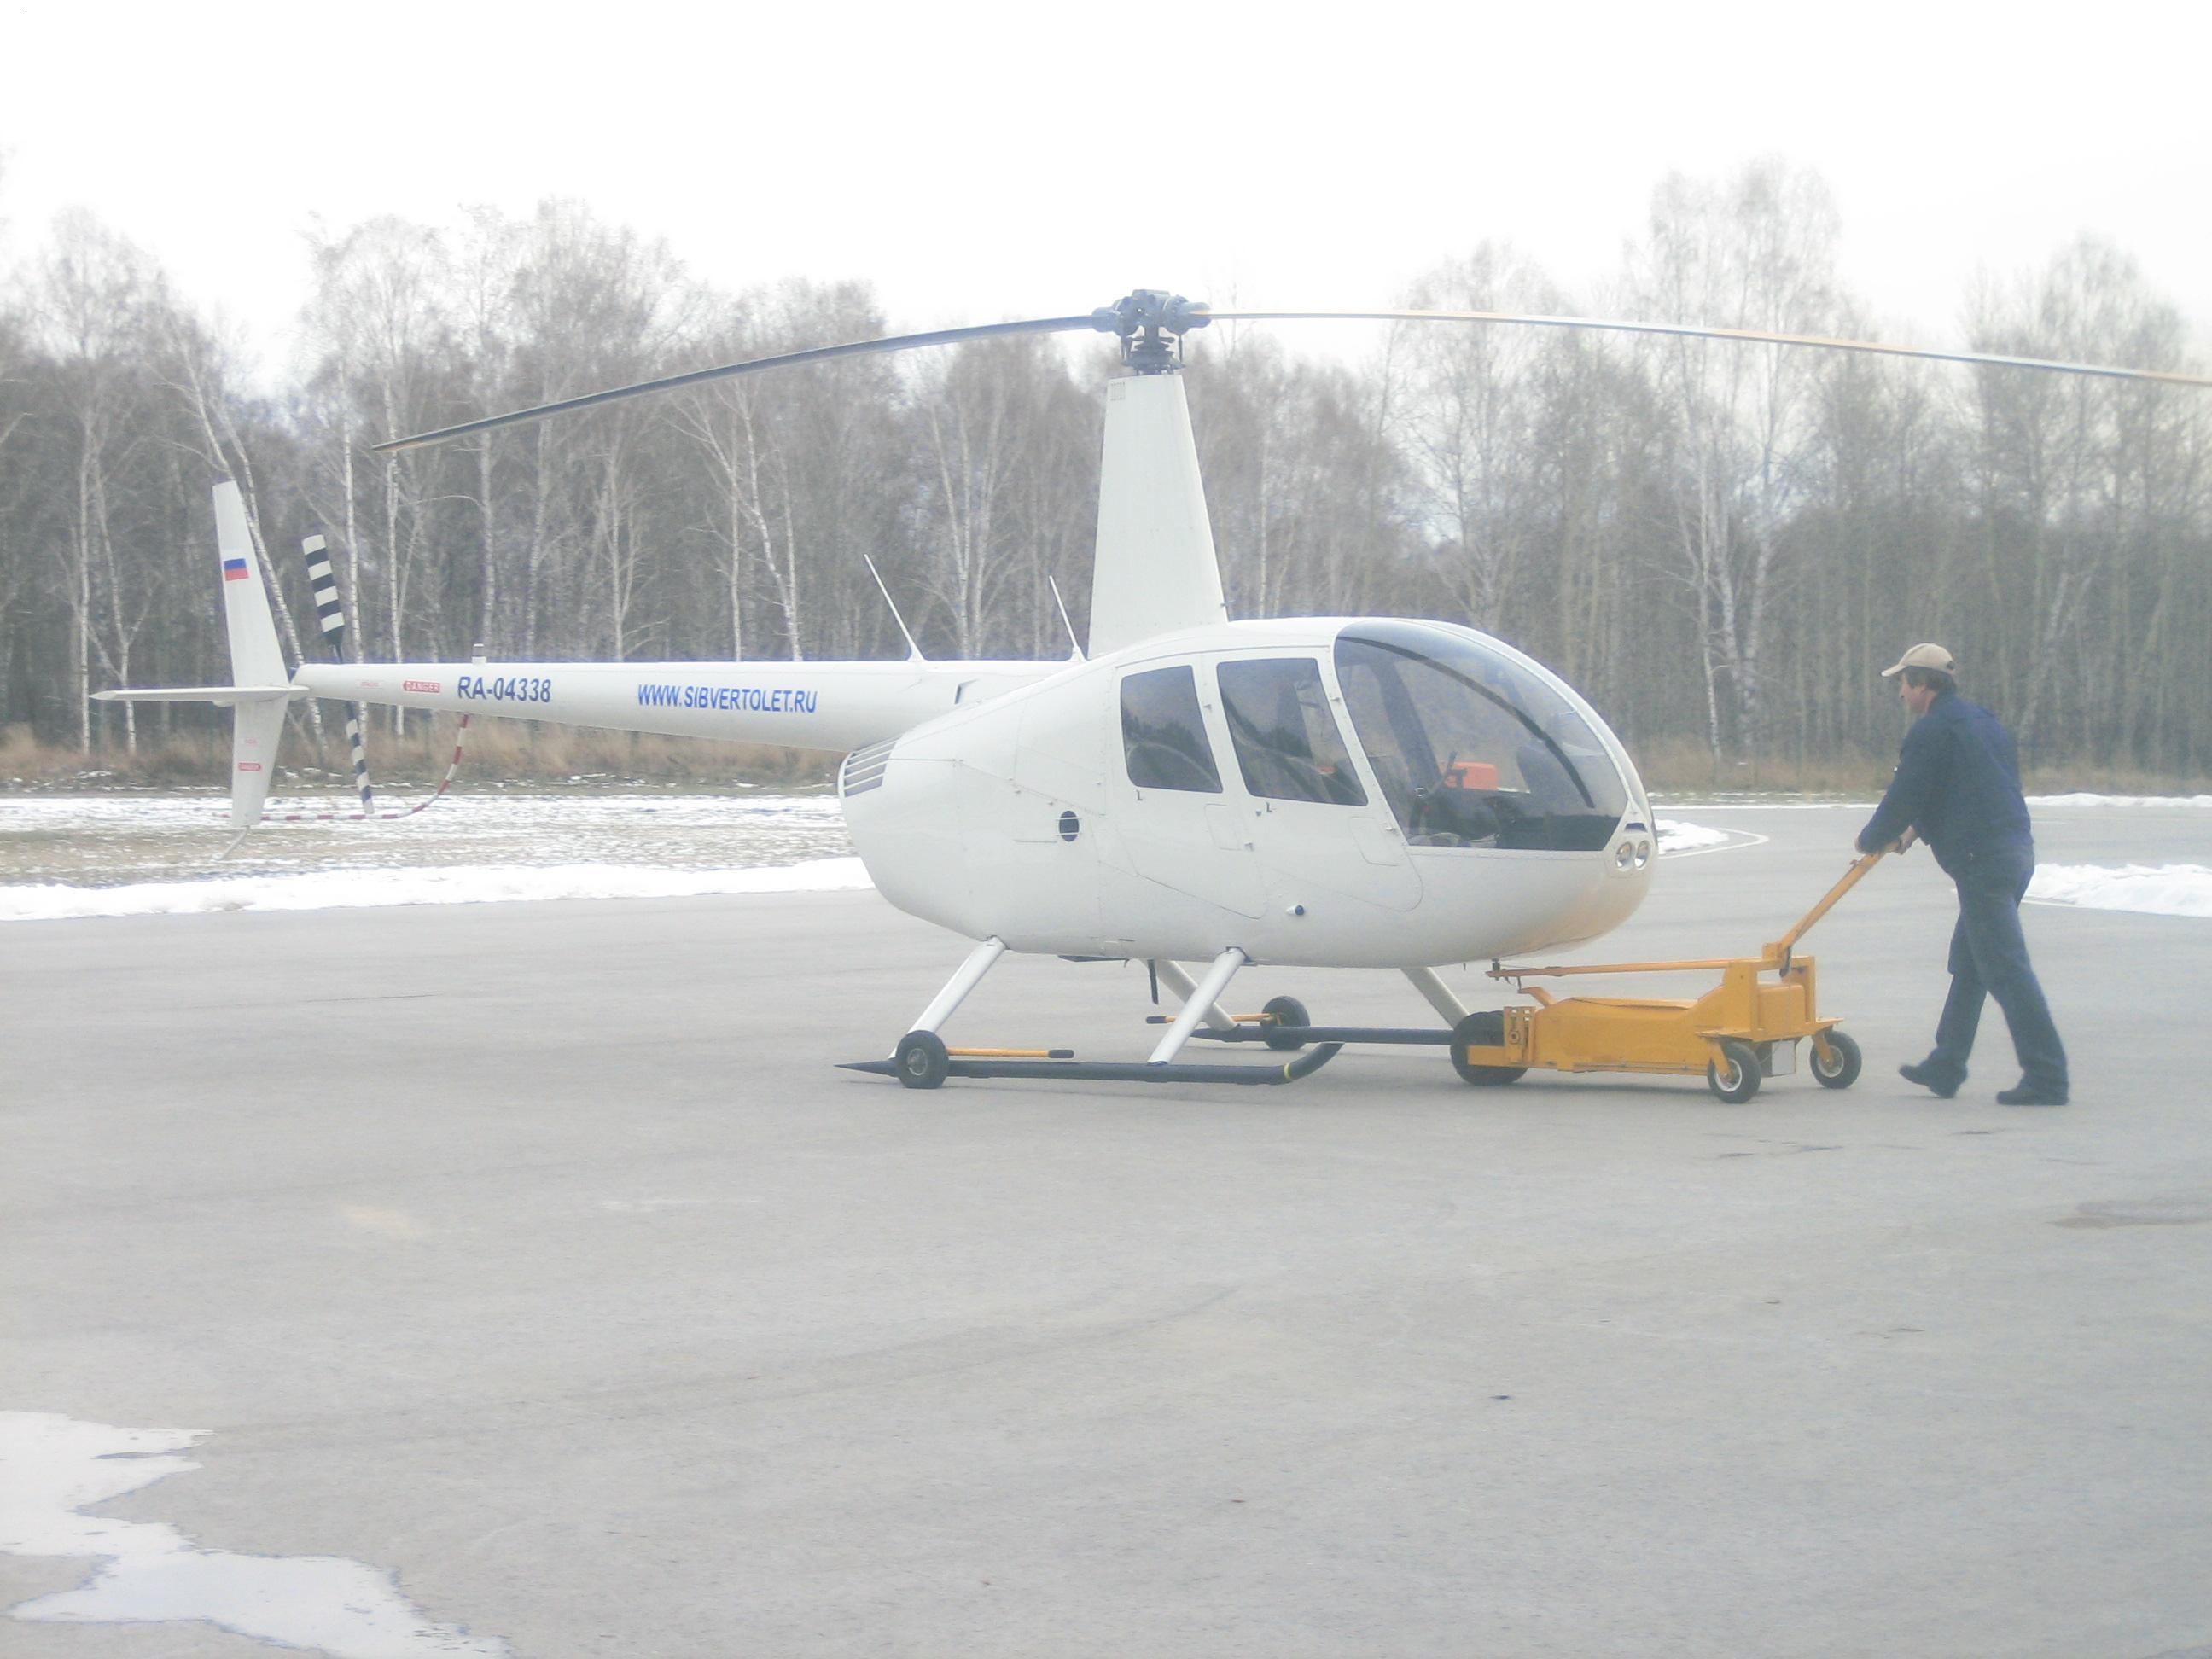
column 1470, row 774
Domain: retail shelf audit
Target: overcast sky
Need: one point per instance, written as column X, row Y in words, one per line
column 977, row 163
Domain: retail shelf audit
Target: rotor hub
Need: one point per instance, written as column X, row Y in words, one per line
column 1150, row 323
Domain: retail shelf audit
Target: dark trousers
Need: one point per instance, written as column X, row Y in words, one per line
column 1989, row 958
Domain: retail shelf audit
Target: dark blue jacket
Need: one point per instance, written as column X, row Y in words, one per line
column 1957, row 783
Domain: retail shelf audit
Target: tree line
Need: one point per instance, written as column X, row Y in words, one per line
column 1718, row 544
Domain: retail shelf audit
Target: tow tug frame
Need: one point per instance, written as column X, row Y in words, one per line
column 1742, row 1031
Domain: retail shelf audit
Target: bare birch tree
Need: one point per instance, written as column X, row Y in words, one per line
column 1755, row 253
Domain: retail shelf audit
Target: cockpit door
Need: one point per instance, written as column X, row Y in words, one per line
column 1310, row 809
column 1177, row 825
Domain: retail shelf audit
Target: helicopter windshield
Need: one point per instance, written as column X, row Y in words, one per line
column 1470, row 747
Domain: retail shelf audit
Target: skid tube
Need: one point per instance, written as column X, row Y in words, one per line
column 1254, row 1032
column 1079, row 1070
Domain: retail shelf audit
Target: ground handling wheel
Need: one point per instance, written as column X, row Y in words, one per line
column 1285, row 1011
column 921, row 1061
column 1835, row 1060
column 1487, row 1028
column 1735, row 1076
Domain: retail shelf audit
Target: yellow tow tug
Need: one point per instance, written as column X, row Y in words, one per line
column 1740, row 1033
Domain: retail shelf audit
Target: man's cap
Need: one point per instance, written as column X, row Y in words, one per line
column 1922, row 656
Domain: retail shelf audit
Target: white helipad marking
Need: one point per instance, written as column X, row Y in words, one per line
column 2195, row 803
column 52, row 1469
column 2163, row 890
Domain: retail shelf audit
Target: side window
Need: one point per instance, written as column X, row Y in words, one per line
column 1287, row 743
column 1162, row 735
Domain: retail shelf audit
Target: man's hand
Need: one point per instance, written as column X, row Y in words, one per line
column 1904, row 841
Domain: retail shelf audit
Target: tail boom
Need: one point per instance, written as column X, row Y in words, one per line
column 834, row 707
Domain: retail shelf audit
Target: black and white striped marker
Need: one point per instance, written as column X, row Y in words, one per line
column 325, row 584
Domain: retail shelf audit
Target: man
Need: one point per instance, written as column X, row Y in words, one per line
column 1957, row 787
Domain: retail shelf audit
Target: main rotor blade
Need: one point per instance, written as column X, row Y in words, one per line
column 1755, row 334
column 818, row 354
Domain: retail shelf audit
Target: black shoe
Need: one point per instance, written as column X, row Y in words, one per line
column 1930, row 1079
column 2032, row 1094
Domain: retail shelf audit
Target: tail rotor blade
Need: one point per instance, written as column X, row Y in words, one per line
column 324, row 583
column 331, row 611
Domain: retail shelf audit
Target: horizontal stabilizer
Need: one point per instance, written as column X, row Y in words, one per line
column 227, row 695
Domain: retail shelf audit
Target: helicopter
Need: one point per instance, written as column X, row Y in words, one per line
column 1388, row 793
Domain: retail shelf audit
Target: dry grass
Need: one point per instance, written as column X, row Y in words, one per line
column 1683, row 770
column 1686, row 770
column 512, row 752
column 2111, row 781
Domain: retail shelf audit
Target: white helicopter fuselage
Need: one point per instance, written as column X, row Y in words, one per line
column 1046, row 817
column 1008, row 801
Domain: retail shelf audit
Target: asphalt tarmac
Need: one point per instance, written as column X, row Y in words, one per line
column 537, row 1253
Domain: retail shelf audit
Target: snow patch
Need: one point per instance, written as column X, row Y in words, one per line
column 52, row 1469
column 1677, row 838
column 1775, row 803
column 324, row 890
column 2163, row 890
column 2199, row 803
column 1781, row 805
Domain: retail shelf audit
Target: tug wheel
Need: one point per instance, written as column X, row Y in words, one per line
column 1734, row 1077
column 921, row 1061
column 1835, row 1060
column 1487, row 1028
column 1285, row 1011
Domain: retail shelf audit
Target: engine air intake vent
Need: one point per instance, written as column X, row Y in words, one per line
column 863, row 768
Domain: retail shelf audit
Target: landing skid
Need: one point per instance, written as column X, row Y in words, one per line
column 923, row 1060
column 1297, row 1037
column 919, row 1065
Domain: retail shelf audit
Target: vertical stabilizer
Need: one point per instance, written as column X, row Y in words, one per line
column 256, row 659
column 255, row 656
column 1156, row 569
